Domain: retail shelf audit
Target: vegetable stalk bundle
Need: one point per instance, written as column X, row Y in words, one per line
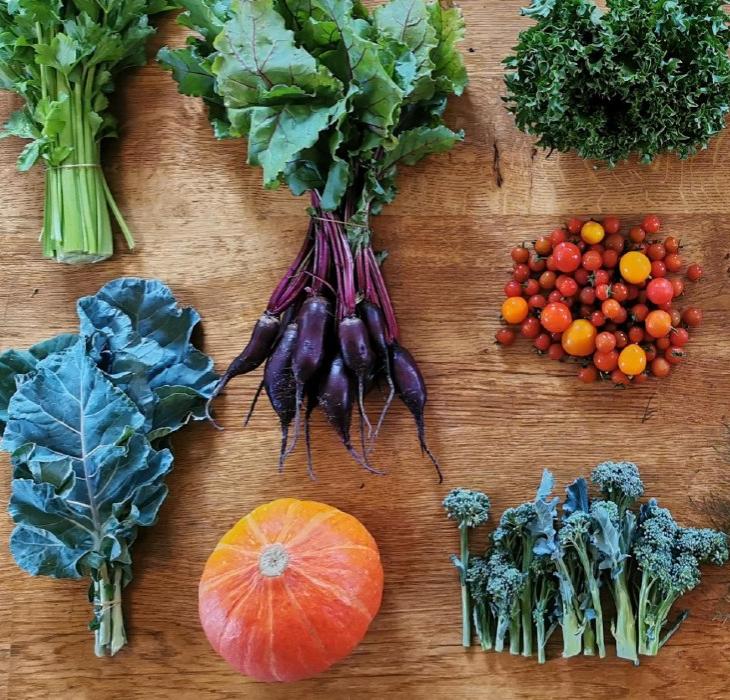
column 332, row 99
column 542, row 571
column 61, row 57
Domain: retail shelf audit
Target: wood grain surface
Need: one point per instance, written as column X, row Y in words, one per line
column 206, row 227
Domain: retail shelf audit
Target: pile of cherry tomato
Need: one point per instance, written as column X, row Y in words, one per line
column 604, row 298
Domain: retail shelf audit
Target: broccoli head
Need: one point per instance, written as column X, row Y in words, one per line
column 707, row 545
column 477, row 578
column 619, row 482
column 469, row 508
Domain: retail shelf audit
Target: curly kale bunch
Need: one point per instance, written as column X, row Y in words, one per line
column 646, row 77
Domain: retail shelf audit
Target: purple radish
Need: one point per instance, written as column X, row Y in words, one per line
column 280, row 384
column 259, row 346
column 375, row 322
column 412, row 389
column 335, row 399
column 358, row 356
column 309, row 350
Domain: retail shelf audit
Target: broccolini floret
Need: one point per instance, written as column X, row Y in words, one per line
column 619, row 482
column 669, row 559
column 545, row 590
column 469, row 509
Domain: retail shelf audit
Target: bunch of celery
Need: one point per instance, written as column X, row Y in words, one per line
column 61, row 57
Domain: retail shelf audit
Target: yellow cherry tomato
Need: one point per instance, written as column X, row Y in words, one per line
column 632, row 360
column 580, row 338
column 635, row 267
column 592, row 232
column 514, row 310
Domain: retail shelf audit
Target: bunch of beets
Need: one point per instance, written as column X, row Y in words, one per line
column 328, row 336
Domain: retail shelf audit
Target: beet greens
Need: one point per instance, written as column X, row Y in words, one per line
column 332, row 99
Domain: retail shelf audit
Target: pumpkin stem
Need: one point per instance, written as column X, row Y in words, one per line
column 273, row 560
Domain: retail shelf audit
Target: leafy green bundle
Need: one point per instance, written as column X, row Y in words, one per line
column 332, row 99
column 543, row 571
column 61, row 57
column 647, row 77
column 85, row 420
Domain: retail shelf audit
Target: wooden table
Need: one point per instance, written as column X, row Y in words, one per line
column 496, row 418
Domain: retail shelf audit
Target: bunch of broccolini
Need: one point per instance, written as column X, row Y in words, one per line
column 542, row 570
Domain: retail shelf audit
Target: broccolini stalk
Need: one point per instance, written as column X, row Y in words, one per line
column 523, row 532
column 570, row 615
column 614, row 537
column 544, row 600
column 669, row 558
column 477, row 577
column 469, row 509
column 575, row 539
column 505, row 586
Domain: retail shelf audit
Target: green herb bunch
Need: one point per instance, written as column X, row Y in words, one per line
column 646, row 77
column 543, row 571
column 61, row 57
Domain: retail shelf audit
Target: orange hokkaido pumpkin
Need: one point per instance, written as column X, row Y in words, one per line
column 290, row 590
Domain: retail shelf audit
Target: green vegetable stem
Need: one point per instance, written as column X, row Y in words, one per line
column 108, row 622
column 61, row 57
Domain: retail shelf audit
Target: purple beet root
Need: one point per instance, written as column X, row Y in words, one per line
column 263, row 337
column 375, row 322
column 411, row 388
column 309, row 351
column 358, row 356
column 335, row 397
column 280, row 384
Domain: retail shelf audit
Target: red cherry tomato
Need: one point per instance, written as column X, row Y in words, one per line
column 651, row 224
column 557, row 236
column 588, row 374
column 610, row 259
column 531, row 287
column 574, row 226
column 505, row 336
column 660, row 291
column 556, row 352
column 530, row 328
column 658, row 268
column 537, row 301
column 678, row 287
column 615, row 242
column 671, row 244
column 606, row 361
column 611, row 224
column 567, row 256
column 673, row 261
column 605, row 342
column 521, row 272
column 592, row 260
column 637, row 234
column 679, row 337
column 567, row 285
column 556, row 317
column 587, row 295
column 694, row 272
column 513, row 289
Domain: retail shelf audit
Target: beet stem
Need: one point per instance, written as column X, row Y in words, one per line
column 285, row 281
column 383, row 297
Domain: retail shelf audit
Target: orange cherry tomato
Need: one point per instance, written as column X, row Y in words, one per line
column 632, row 360
column 635, row 267
column 592, row 232
column 579, row 339
column 515, row 310
column 556, row 317
column 658, row 323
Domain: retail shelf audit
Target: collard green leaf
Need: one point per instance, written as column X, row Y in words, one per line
column 14, row 364
column 141, row 337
